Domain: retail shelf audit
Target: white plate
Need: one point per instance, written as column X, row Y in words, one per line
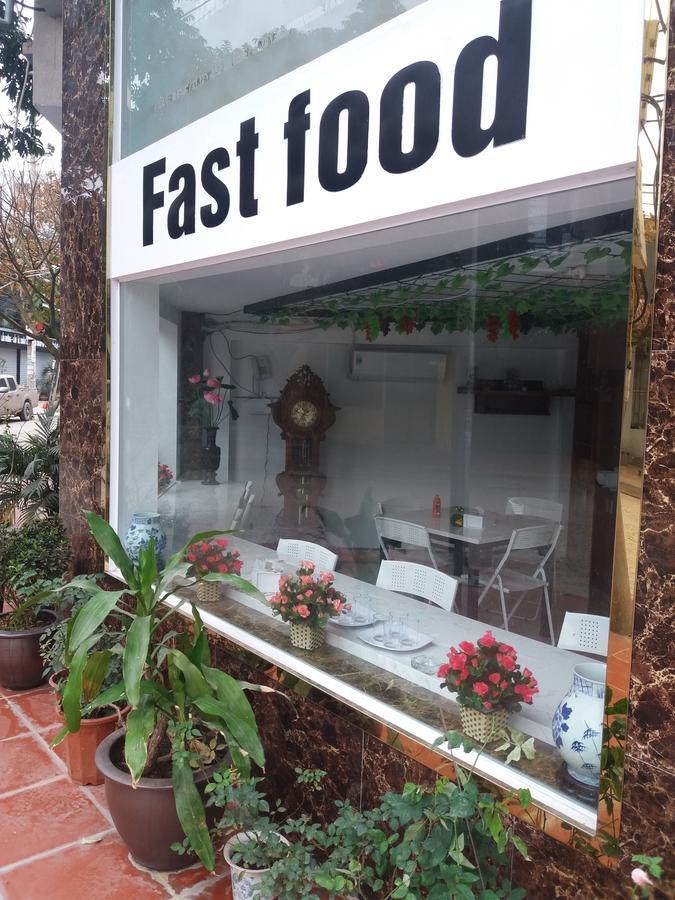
column 345, row 620
column 423, row 641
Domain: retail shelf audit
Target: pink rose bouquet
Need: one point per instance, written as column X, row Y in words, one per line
column 487, row 675
column 207, row 398
column 308, row 599
column 206, row 557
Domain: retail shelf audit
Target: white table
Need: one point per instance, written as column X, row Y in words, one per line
column 551, row 667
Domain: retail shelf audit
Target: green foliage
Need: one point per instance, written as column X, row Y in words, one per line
column 450, row 839
column 503, row 297
column 29, row 555
column 174, row 694
column 29, row 469
column 17, row 86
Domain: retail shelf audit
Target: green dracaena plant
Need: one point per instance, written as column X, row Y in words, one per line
column 167, row 679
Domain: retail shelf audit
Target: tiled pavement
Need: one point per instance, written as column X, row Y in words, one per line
column 56, row 838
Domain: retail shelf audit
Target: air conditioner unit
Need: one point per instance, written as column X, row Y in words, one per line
column 393, row 365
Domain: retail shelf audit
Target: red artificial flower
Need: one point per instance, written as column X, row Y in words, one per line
column 195, row 379
column 443, row 670
column 494, row 677
column 487, row 640
column 458, row 661
column 487, row 704
column 480, row 688
column 506, row 662
column 467, row 647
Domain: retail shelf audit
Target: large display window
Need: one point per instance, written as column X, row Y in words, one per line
column 418, row 386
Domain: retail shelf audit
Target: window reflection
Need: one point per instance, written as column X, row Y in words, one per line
column 435, row 419
column 185, row 58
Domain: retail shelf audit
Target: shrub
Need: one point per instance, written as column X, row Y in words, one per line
column 36, row 552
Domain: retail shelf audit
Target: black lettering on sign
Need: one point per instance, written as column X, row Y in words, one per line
column 295, row 131
column 358, row 112
column 152, row 199
column 246, row 147
column 214, row 187
column 426, row 79
column 512, row 50
column 184, row 204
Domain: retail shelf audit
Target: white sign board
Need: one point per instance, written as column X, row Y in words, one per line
column 454, row 105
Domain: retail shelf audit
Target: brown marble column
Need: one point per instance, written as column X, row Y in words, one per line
column 86, row 72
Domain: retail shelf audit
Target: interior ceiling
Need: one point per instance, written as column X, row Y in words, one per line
column 240, row 283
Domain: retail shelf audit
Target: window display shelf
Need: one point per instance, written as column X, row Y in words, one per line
column 385, row 686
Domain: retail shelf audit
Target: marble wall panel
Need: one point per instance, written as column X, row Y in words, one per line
column 86, row 71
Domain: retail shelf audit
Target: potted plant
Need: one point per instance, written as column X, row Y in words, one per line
column 164, row 477
column 102, row 671
column 307, row 603
column 441, row 840
column 207, row 403
column 31, row 557
column 184, row 712
column 211, row 557
column 489, row 684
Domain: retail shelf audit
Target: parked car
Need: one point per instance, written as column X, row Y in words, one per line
column 16, row 399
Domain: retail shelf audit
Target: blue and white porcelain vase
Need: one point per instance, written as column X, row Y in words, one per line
column 145, row 526
column 577, row 723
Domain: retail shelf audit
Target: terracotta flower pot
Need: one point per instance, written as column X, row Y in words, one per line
column 80, row 747
column 21, row 665
column 145, row 816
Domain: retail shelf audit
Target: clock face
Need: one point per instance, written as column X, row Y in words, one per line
column 304, row 413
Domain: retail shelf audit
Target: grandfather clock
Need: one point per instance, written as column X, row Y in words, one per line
column 304, row 414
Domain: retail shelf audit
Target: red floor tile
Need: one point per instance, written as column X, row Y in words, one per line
column 46, row 817
column 8, row 692
column 188, row 878
column 10, row 726
column 49, row 736
column 23, row 762
column 100, row 871
column 213, row 890
column 40, row 708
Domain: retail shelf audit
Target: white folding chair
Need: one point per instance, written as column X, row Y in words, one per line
column 241, row 506
column 584, row 633
column 422, row 581
column 246, row 511
column 533, row 506
column 403, row 533
column 510, row 582
column 294, row 551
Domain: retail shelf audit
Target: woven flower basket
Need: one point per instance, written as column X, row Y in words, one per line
column 483, row 727
column 208, row 591
column 306, row 637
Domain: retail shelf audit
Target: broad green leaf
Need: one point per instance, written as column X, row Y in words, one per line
column 195, row 683
column 140, row 723
column 147, row 567
column 135, row 656
column 60, row 736
column 190, row 809
column 111, row 695
column 72, row 692
column 94, row 612
column 94, row 674
column 520, row 846
column 111, row 545
column 240, row 718
column 200, row 653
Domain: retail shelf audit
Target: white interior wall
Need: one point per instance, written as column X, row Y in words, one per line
column 168, row 393
column 139, row 391
column 403, row 442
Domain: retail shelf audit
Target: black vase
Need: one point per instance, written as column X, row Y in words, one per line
column 210, row 455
